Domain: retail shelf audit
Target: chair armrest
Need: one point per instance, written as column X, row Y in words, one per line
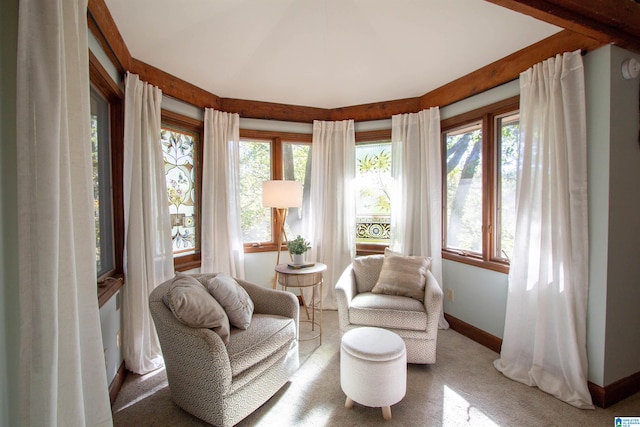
column 345, row 292
column 272, row 301
column 432, row 301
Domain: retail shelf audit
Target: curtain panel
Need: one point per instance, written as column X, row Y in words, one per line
column 544, row 341
column 148, row 252
column 222, row 247
column 332, row 218
column 62, row 374
column 416, row 213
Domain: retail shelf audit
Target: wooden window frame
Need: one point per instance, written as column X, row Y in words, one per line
column 364, row 137
column 183, row 123
column 487, row 117
column 109, row 283
column 276, row 140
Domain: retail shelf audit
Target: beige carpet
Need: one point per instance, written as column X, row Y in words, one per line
column 461, row 389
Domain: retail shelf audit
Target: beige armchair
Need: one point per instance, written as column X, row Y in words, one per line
column 222, row 384
column 414, row 321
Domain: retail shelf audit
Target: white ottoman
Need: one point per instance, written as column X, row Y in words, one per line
column 373, row 368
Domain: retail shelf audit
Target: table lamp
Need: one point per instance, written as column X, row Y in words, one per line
column 281, row 195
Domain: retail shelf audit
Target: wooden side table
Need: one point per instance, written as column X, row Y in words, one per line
column 308, row 277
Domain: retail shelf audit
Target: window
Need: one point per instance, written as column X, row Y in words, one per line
column 265, row 156
column 102, row 200
column 255, row 168
column 107, row 133
column 508, row 135
column 373, row 185
column 479, row 167
column 181, row 148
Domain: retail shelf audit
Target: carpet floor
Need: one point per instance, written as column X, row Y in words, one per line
column 461, row 389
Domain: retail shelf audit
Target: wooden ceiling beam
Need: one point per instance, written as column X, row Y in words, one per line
column 610, row 21
column 274, row 111
column 175, row 87
column 508, row 68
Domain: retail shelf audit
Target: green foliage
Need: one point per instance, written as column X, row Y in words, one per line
column 375, row 162
column 255, row 168
column 298, row 246
column 374, row 178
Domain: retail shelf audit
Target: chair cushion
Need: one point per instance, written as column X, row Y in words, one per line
column 190, row 303
column 403, row 275
column 367, row 270
column 388, row 311
column 267, row 334
column 233, row 298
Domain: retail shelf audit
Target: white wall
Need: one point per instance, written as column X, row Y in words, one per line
column 111, row 327
column 622, row 347
column 597, row 77
column 9, row 301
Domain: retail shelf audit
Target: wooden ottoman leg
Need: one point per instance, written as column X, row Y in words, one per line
column 386, row 412
column 348, row 403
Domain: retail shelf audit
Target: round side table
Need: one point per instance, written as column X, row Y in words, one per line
column 307, row 277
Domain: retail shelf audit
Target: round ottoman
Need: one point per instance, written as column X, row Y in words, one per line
column 373, row 368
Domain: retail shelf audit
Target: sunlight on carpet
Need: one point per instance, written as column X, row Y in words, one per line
column 151, row 391
column 457, row 411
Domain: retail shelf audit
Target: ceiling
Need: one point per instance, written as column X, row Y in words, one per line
column 322, row 53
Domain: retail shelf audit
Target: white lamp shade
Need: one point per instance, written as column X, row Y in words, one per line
column 281, row 194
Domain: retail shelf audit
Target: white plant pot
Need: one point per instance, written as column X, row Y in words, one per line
column 298, row 259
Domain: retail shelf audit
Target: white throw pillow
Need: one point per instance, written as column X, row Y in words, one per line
column 367, row 270
column 233, row 298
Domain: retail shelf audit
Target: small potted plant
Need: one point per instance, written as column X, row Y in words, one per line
column 297, row 247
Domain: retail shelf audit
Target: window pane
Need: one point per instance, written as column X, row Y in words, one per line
column 296, row 166
column 101, row 159
column 255, row 168
column 464, row 189
column 508, row 136
column 373, row 192
column 179, row 152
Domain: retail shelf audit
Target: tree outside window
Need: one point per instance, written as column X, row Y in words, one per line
column 102, row 200
column 373, row 192
column 480, row 151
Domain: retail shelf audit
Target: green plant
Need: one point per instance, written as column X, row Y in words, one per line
column 298, row 246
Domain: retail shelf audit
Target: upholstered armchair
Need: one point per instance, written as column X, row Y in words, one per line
column 410, row 311
column 221, row 373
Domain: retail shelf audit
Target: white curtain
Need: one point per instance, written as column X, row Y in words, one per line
column 416, row 213
column 148, row 251
column 544, row 341
column 332, row 218
column 222, row 246
column 62, row 374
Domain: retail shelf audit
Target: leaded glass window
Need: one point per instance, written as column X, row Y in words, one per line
column 179, row 152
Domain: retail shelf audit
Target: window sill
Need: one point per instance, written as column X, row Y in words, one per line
column 370, row 248
column 262, row 247
column 108, row 288
column 476, row 262
column 187, row 262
